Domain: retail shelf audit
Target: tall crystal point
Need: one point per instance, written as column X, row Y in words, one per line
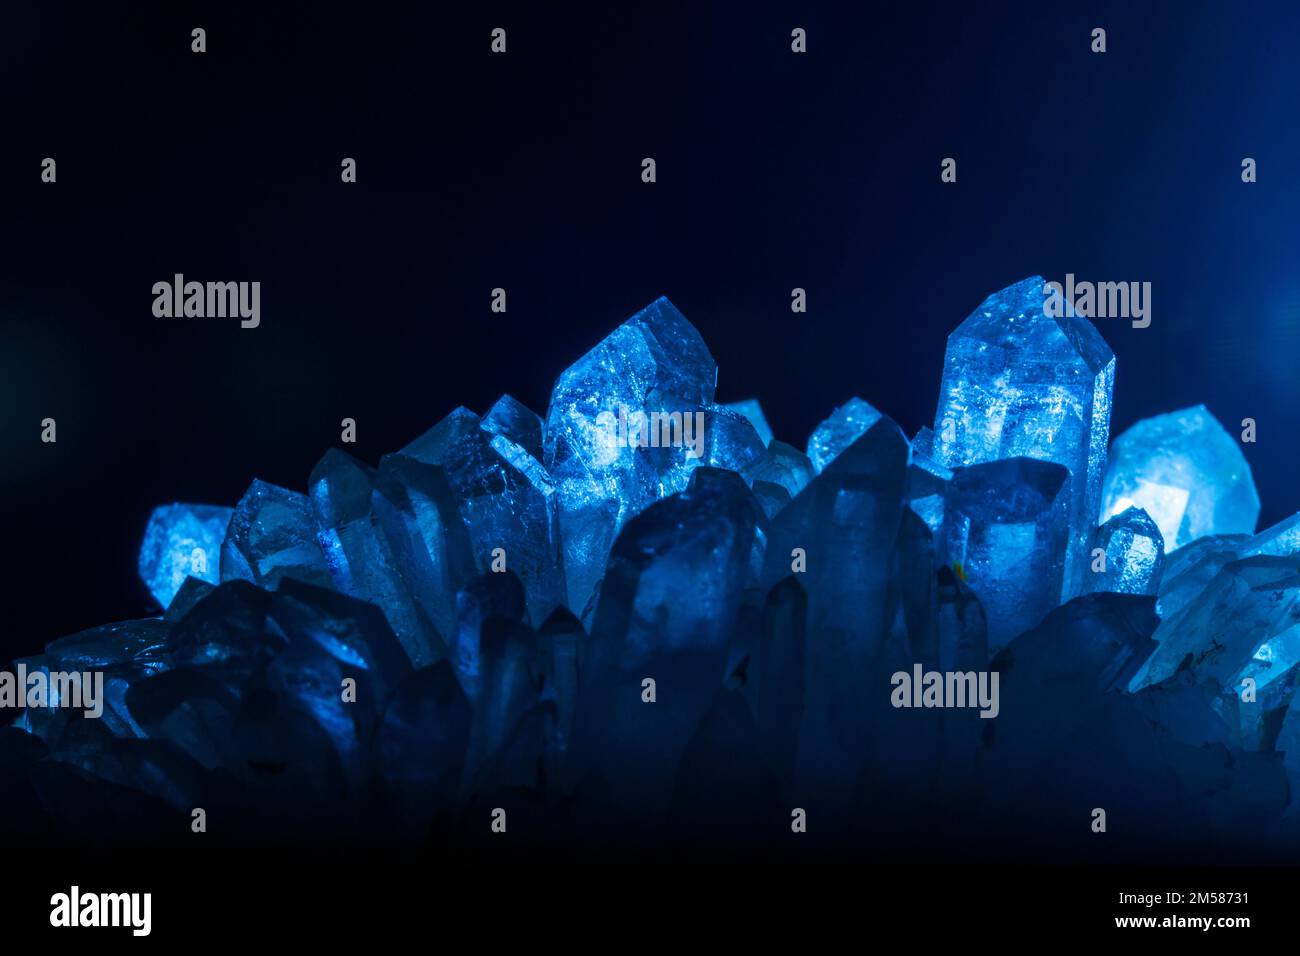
column 1186, row 472
column 653, row 362
column 1018, row 382
column 840, row 430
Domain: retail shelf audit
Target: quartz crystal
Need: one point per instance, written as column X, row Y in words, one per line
column 1005, row 532
column 839, row 431
column 654, row 362
column 1128, row 554
column 1186, row 472
column 182, row 541
column 1020, row 383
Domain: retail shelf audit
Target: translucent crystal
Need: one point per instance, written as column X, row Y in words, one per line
column 788, row 467
column 125, row 652
column 360, row 559
column 839, row 431
column 753, row 411
column 226, row 633
column 487, row 597
column 653, row 362
column 271, row 535
column 143, row 641
column 1281, row 539
column 845, row 523
column 668, row 604
column 927, row 481
column 732, row 442
column 837, row 535
column 353, row 632
column 1259, row 721
column 1193, row 566
column 182, row 540
column 697, row 541
column 506, row 502
column 420, row 518
column 1276, row 657
column 331, row 637
column 1186, row 472
column 137, row 764
column 771, row 497
column 1132, row 554
column 1019, row 383
column 512, row 419
column 1005, row 532
column 1066, row 725
column 1248, row 603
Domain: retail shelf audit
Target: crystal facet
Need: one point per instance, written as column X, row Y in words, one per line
column 1006, row 531
column 1248, row 603
column 1128, row 554
column 839, row 431
column 506, row 502
column 753, row 411
column 653, row 362
column 1186, row 472
column 927, row 481
column 838, row 533
column 1020, row 383
column 180, row 541
column 360, row 559
column 669, row 601
column 511, row 419
column 272, row 534
column 1281, row 539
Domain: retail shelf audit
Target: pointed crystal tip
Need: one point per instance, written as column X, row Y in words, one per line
column 1186, row 472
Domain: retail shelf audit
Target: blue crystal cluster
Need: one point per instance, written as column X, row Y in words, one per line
column 699, row 626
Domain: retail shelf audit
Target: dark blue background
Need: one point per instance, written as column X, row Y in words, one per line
column 523, row 171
